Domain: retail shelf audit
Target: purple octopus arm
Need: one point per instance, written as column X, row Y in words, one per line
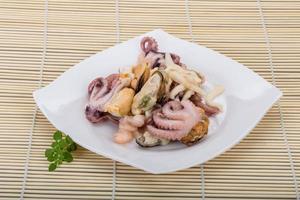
column 100, row 91
column 151, row 54
column 149, row 44
column 209, row 110
column 174, row 120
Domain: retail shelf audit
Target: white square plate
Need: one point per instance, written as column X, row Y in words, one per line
column 246, row 99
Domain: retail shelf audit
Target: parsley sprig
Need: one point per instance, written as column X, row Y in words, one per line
column 60, row 150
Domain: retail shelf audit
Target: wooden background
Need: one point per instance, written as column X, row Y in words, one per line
column 39, row 40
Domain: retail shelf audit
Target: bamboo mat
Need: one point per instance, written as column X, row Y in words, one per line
column 39, row 40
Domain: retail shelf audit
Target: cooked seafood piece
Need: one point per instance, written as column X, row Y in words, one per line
column 209, row 110
column 192, row 81
column 188, row 78
column 148, row 44
column 176, row 90
column 157, row 101
column 146, row 98
column 188, row 94
column 216, row 91
column 100, row 91
column 128, row 127
column 120, row 104
column 147, row 140
column 197, row 132
column 174, row 120
column 153, row 57
column 141, row 75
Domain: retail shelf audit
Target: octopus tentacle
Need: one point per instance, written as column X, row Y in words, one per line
column 175, row 58
column 209, row 110
column 165, row 123
column 174, row 120
column 172, row 110
column 175, row 105
column 151, row 55
column 154, row 59
column 98, row 86
column 167, row 134
column 95, row 116
column 112, row 80
column 100, row 91
column 149, row 44
column 104, row 99
column 112, row 118
column 191, row 108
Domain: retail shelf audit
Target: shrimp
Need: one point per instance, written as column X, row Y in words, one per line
column 128, row 127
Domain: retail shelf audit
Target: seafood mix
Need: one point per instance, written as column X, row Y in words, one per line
column 157, row 101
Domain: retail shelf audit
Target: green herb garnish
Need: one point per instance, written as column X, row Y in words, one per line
column 60, row 150
column 144, row 101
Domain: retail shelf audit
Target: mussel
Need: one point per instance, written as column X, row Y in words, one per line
column 120, row 103
column 197, row 132
column 147, row 140
column 141, row 75
column 147, row 97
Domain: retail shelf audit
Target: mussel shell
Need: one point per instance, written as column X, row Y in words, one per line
column 197, row 133
column 147, row 140
column 148, row 92
column 162, row 96
column 142, row 77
